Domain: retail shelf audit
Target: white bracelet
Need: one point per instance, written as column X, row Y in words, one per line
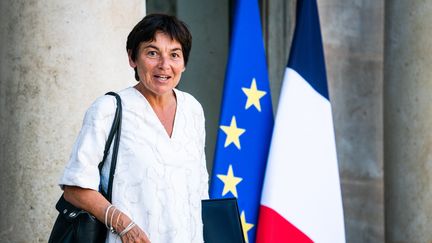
column 106, row 215
column 127, row 229
column 111, row 228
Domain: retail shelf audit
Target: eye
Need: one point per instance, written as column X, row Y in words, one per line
column 175, row 55
column 152, row 53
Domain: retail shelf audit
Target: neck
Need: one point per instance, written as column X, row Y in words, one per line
column 164, row 106
column 160, row 102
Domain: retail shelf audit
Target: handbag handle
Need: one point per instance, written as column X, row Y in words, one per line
column 115, row 131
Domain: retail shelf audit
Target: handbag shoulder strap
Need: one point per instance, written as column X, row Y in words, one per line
column 114, row 132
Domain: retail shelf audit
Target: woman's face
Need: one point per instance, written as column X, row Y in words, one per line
column 160, row 64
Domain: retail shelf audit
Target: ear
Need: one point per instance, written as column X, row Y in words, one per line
column 131, row 62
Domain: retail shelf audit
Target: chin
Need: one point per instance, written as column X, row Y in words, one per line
column 164, row 90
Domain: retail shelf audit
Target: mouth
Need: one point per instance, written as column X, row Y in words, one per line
column 162, row 78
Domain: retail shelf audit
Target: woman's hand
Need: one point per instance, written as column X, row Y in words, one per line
column 135, row 235
column 131, row 234
column 93, row 202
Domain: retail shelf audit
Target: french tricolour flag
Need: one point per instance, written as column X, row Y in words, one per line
column 301, row 198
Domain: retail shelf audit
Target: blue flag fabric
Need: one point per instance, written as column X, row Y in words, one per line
column 307, row 55
column 246, row 120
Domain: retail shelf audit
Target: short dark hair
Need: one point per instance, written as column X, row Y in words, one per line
column 146, row 29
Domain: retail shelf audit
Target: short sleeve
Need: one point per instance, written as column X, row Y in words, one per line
column 87, row 152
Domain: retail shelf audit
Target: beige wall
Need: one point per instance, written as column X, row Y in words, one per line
column 56, row 57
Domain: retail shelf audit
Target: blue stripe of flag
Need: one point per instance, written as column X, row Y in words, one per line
column 307, row 56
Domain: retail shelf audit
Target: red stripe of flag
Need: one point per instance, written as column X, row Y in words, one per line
column 272, row 227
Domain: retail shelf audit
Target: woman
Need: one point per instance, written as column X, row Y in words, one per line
column 161, row 175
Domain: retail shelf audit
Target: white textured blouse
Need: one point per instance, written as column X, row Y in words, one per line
column 159, row 180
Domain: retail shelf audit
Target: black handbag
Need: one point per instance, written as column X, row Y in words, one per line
column 74, row 225
column 221, row 221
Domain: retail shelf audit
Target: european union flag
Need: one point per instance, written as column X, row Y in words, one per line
column 246, row 120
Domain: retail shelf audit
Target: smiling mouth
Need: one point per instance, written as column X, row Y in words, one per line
column 162, row 77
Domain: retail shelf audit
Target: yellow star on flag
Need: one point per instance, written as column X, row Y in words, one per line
column 246, row 226
column 230, row 182
column 233, row 133
column 253, row 96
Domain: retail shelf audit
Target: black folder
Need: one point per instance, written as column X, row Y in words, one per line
column 221, row 221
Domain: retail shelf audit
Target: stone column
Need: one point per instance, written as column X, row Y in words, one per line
column 56, row 57
column 279, row 22
column 353, row 44
column 408, row 121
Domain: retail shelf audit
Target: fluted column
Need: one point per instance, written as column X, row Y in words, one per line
column 408, row 121
column 56, row 57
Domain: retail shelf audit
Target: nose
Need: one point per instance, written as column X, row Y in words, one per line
column 164, row 62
